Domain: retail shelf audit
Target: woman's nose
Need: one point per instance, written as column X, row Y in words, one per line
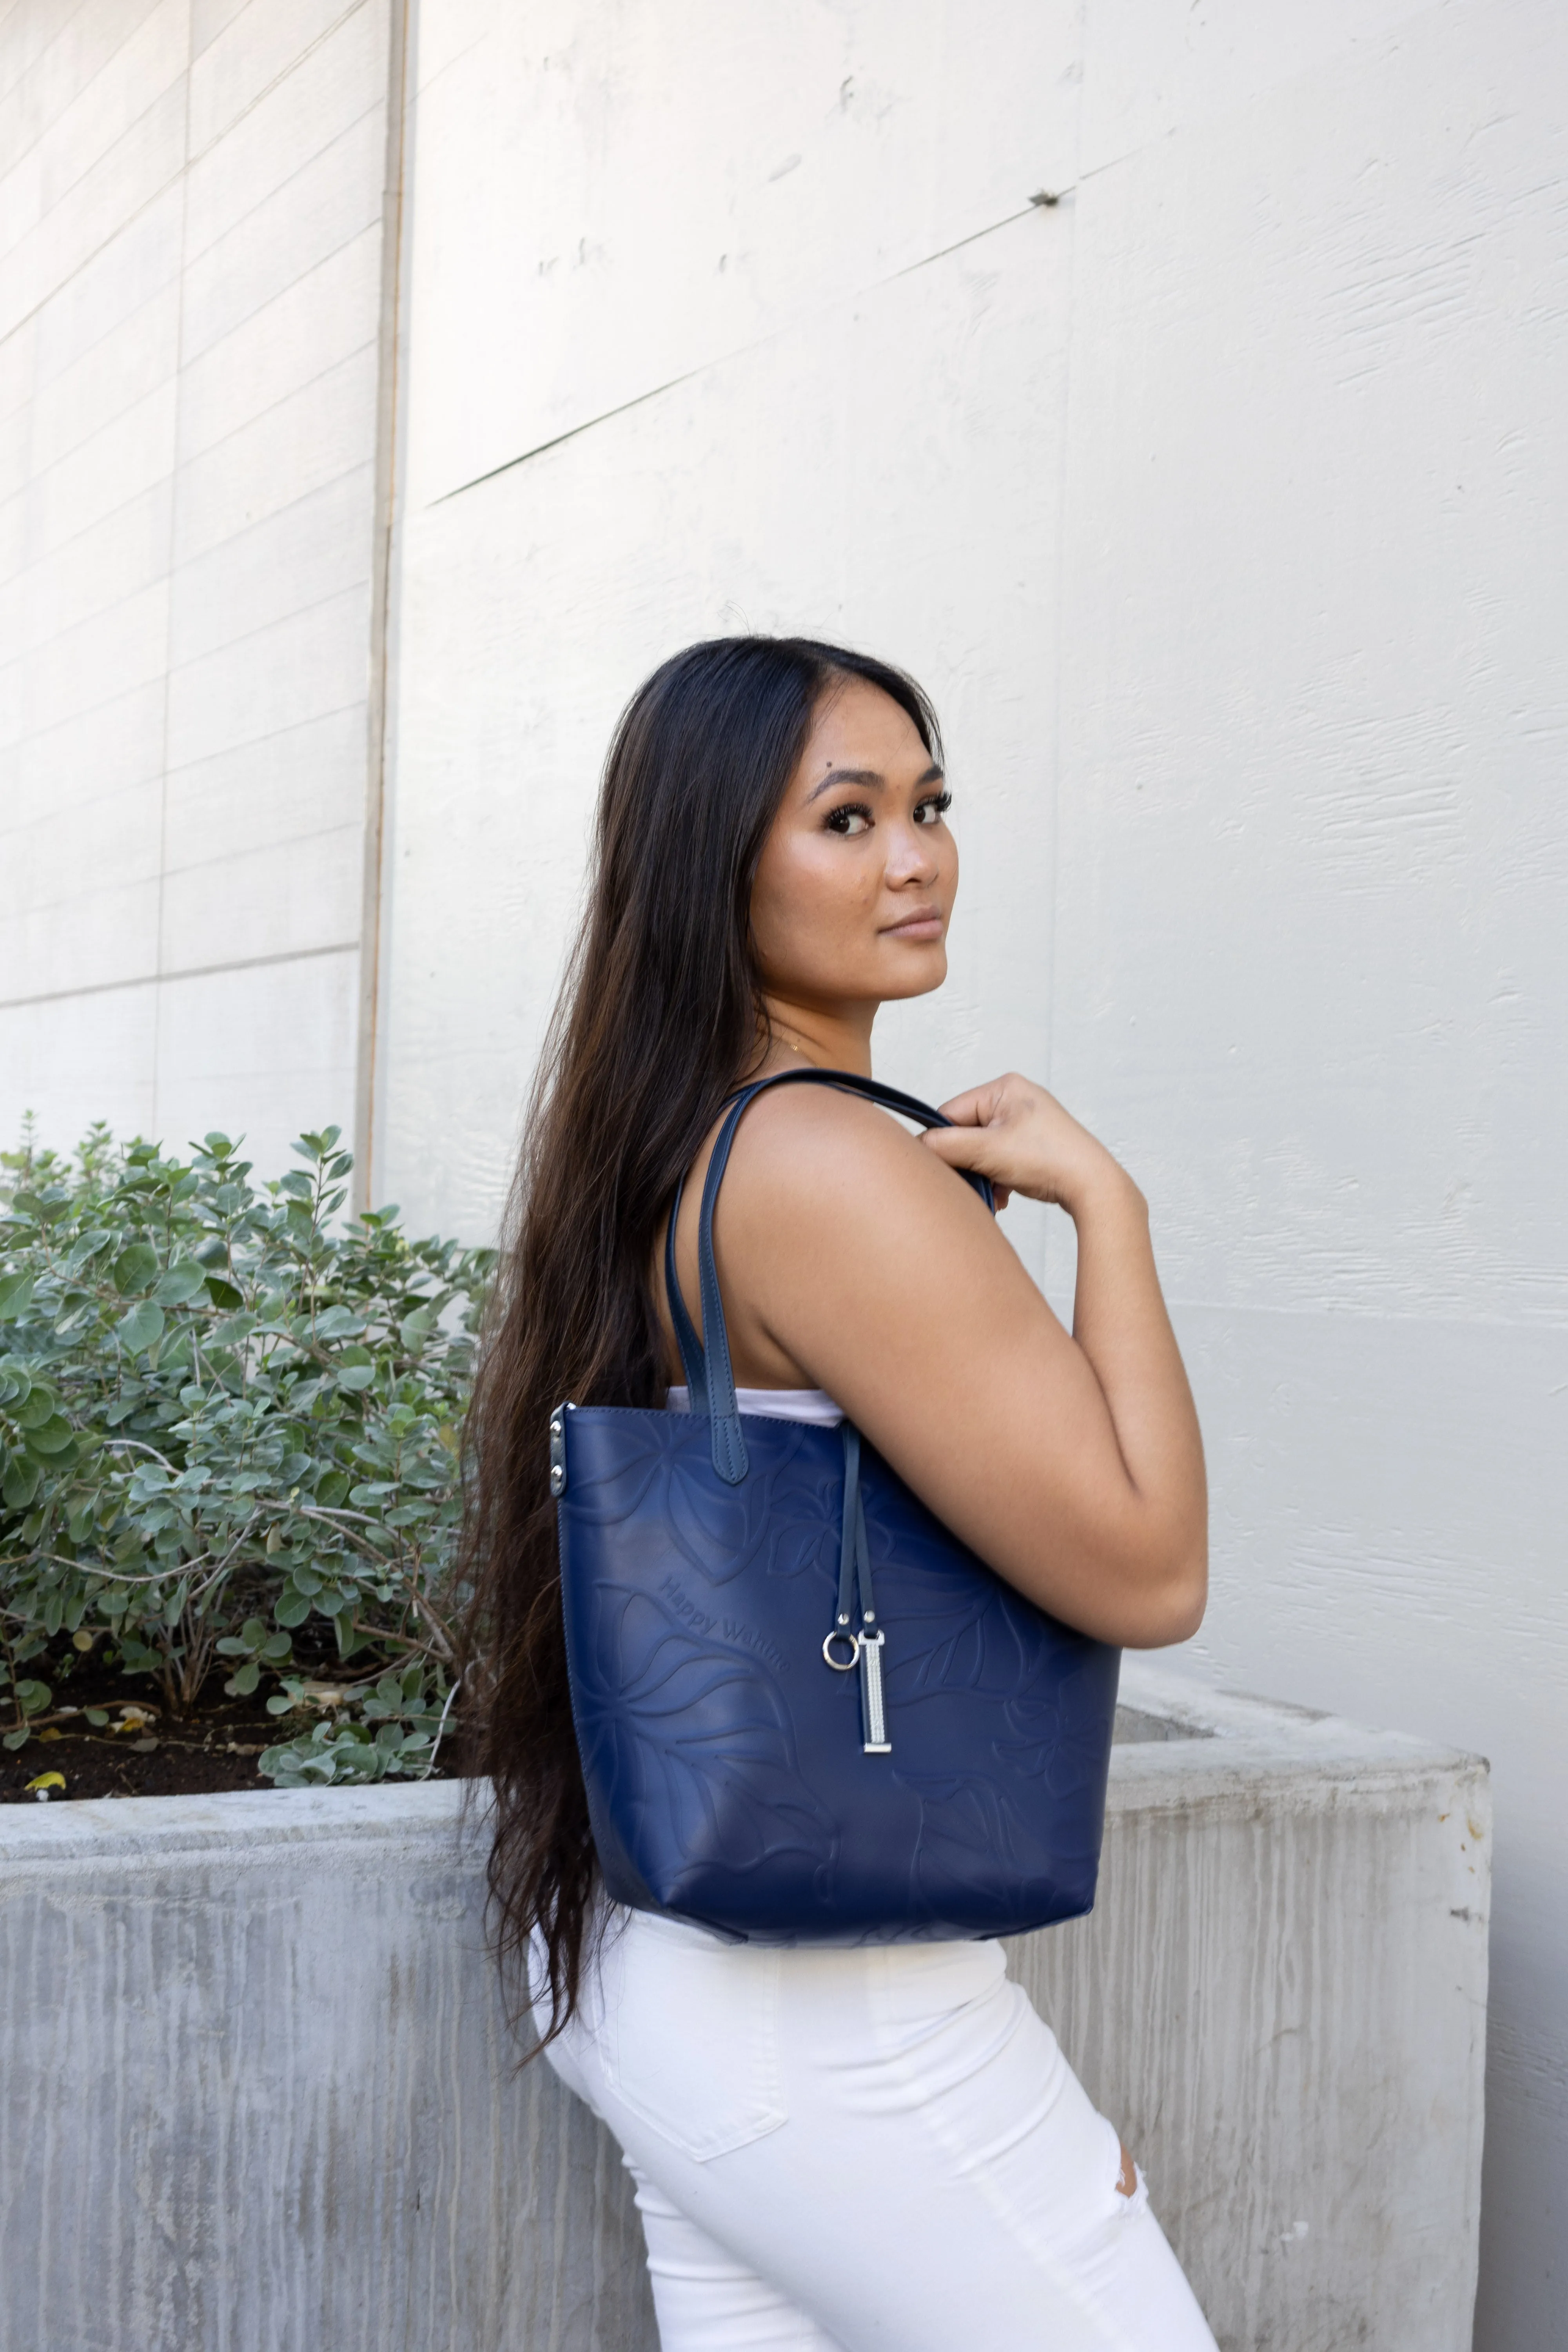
column 910, row 855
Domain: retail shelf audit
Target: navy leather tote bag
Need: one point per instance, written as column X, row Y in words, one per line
column 807, row 1713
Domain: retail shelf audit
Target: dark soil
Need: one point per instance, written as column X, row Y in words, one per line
column 214, row 1747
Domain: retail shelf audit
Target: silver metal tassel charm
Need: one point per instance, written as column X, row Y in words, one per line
column 873, row 1715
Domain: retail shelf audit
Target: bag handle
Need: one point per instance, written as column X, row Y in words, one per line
column 710, row 1378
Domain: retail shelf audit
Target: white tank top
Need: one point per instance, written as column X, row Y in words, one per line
column 779, row 1405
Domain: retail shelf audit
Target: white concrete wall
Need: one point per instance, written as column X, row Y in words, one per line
column 190, row 301
column 255, row 2089
column 1222, row 508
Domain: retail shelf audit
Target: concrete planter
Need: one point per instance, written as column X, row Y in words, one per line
column 255, row 2083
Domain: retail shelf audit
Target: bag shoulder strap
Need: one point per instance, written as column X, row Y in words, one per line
column 710, row 1381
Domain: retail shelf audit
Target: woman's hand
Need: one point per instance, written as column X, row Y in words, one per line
column 1014, row 1132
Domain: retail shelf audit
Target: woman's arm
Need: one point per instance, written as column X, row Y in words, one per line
column 851, row 1258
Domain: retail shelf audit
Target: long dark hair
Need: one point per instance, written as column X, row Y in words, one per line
column 660, row 1015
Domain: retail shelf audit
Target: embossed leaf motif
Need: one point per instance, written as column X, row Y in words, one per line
column 1059, row 1739
column 964, row 1815
column 722, row 1531
column 697, row 1738
column 606, row 1496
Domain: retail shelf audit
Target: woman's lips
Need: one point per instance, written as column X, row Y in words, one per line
column 929, row 923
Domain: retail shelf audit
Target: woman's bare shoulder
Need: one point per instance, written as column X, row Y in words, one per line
column 813, row 1162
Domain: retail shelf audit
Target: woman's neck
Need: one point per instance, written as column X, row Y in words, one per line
column 837, row 1037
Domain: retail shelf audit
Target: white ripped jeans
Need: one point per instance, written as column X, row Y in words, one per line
column 877, row 2150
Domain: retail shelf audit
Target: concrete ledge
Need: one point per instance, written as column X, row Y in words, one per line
column 255, row 2089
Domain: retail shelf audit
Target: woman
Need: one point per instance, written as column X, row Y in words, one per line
column 882, row 2146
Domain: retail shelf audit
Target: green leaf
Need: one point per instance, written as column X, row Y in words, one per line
column 182, row 1282
column 349, row 1642
column 338, row 1323
column 135, row 1268
column 415, row 1328
column 55, row 1438
column 241, row 1684
column 356, row 1377
column 42, row 1405
column 224, row 1294
column 291, row 1608
column 33, row 1698
column 141, row 1328
column 16, row 1295
column 15, row 1739
column 97, row 1715
column 20, row 1483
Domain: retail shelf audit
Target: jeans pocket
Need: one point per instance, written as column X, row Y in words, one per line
column 691, row 2038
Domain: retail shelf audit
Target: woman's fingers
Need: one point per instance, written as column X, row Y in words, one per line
column 1019, row 1136
column 976, row 1148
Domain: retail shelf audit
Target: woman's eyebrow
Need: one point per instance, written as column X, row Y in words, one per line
column 871, row 776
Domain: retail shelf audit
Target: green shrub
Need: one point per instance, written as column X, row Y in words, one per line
column 229, row 1431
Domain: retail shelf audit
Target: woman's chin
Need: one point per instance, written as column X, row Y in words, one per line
column 912, row 967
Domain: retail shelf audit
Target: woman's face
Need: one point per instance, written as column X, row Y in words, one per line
column 857, row 878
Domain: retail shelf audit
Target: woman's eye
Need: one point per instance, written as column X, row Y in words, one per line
column 855, row 818
column 928, row 812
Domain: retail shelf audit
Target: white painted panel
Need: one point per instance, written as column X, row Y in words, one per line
column 148, row 158
column 330, row 314
column 303, row 668
column 294, row 561
column 16, row 448
column 113, row 101
column 123, row 365
column 58, row 856
column 19, row 356
column 115, row 743
column 324, row 207
column 98, row 567
column 101, row 659
column 260, row 45
column 12, row 704
column 1151, row 67
column 1312, row 964
column 279, row 900
column 112, row 936
column 76, row 1060
column 242, row 649
column 664, row 181
column 264, row 1052
column 209, row 19
column 126, row 458
column 289, row 786
column 533, row 605
column 332, row 85
column 312, row 438
column 51, row 53
column 124, row 274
